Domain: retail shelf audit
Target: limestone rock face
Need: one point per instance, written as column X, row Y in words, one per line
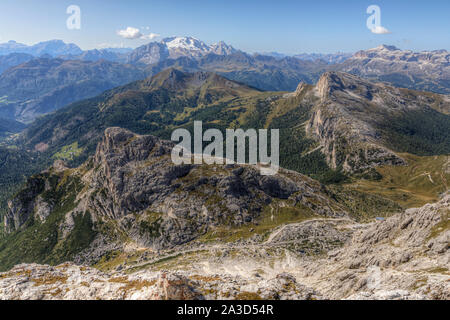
column 71, row 282
column 174, row 287
column 401, row 258
column 404, row 257
column 22, row 207
column 131, row 188
column 138, row 184
column 353, row 117
column 31, row 201
column 426, row 70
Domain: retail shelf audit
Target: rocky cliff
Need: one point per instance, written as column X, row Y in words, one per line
column 130, row 191
column 358, row 122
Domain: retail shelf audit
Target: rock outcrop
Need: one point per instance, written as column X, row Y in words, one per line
column 404, row 257
column 426, row 70
column 71, row 282
column 353, row 120
column 130, row 190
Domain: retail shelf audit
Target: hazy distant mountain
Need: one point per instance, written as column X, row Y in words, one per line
column 427, row 70
column 13, row 59
column 274, row 54
column 44, row 85
column 11, row 47
column 52, row 47
column 330, row 58
column 97, row 54
column 221, row 48
column 118, row 50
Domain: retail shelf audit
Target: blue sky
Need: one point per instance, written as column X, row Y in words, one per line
column 253, row 26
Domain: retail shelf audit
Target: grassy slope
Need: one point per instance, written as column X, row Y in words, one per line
column 43, row 242
column 421, row 182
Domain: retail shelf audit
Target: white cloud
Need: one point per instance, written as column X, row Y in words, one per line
column 134, row 33
column 130, row 33
column 380, row 30
column 149, row 36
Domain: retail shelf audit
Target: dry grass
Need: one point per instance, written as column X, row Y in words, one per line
column 205, row 278
column 442, row 226
column 248, row 296
column 49, row 279
column 414, row 185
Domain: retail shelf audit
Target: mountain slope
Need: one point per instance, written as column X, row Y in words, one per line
column 131, row 192
column 356, row 124
column 174, row 99
column 145, row 106
column 263, row 72
column 44, row 85
column 128, row 210
column 361, row 124
column 331, row 58
column 98, row 54
column 342, row 126
column 402, row 258
column 10, row 126
column 13, row 59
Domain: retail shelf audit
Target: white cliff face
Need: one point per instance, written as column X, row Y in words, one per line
column 426, row 70
column 393, row 54
column 352, row 115
column 71, row 282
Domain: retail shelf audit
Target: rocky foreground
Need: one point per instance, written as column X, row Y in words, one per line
column 403, row 257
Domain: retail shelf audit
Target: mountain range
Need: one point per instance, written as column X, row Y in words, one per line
column 421, row 71
column 354, row 123
column 53, row 48
column 426, row 70
column 131, row 212
column 96, row 202
column 92, row 183
column 176, row 47
column 331, row 58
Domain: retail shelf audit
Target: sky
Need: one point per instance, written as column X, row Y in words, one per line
column 290, row 27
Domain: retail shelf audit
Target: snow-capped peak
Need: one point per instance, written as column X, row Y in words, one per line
column 190, row 46
column 187, row 43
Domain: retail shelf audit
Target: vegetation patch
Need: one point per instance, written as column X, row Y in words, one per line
column 69, row 152
column 248, row 296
